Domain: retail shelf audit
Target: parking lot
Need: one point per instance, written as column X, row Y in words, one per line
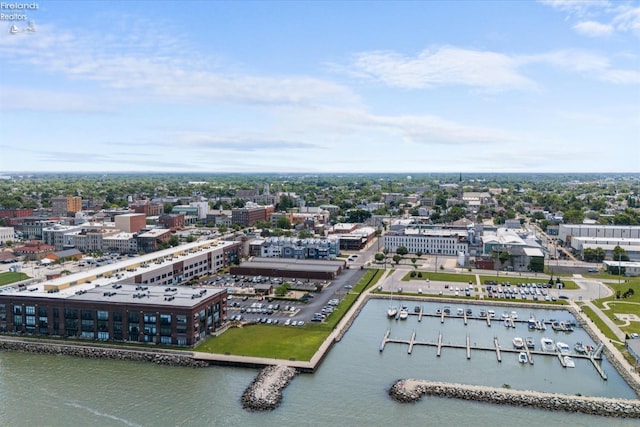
column 304, row 303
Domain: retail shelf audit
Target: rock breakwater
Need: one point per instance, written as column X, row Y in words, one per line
column 410, row 390
column 265, row 391
column 99, row 352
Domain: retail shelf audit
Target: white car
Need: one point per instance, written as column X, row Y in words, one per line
column 287, row 322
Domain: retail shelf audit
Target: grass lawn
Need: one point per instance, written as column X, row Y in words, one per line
column 11, row 277
column 629, row 305
column 599, row 323
column 441, row 277
column 268, row 341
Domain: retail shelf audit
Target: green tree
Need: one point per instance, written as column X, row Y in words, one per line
column 620, row 254
column 402, row 250
column 379, row 257
column 167, row 208
column 304, row 234
column 283, row 223
column 397, row 258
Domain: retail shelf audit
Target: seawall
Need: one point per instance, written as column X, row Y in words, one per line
column 410, row 390
column 88, row 351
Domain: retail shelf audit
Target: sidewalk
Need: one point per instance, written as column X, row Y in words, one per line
column 616, row 330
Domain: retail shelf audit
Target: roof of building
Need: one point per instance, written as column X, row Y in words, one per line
column 293, row 264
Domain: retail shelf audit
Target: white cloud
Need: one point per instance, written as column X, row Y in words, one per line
column 141, row 68
column 593, row 29
column 628, row 19
column 446, row 65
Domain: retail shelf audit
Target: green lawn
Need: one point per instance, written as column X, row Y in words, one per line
column 11, row 277
column 268, row 341
column 629, row 305
column 599, row 323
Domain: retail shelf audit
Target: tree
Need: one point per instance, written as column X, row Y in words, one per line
column 402, row 250
column 174, row 241
column 283, row 222
column 397, row 259
column 620, row 254
column 418, row 253
column 379, row 257
column 304, row 234
column 413, row 261
column 358, row 215
column 167, row 208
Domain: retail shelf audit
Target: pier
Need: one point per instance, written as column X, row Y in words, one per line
column 439, row 344
column 465, row 318
column 420, row 314
column 497, row 346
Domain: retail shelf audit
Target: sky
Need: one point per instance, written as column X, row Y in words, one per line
column 320, row 86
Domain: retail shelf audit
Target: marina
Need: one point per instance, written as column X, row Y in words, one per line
column 523, row 349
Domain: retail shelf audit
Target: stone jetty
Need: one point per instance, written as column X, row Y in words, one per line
column 103, row 352
column 410, row 390
column 265, row 392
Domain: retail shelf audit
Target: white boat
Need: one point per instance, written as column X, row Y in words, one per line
column 491, row 313
column 522, row 357
column 579, row 348
column 460, row 311
column 404, row 313
column 505, row 315
column 392, row 311
column 563, row 348
column 532, row 322
column 514, row 314
column 568, row 362
column 546, row 344
column 518, row 343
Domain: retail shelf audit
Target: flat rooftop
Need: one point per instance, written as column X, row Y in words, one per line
column 121, row 271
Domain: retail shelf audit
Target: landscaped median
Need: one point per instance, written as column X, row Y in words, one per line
column 280, row 342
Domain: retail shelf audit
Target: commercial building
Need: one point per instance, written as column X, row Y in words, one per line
column 131, row 223
column 136, row 300
column 16, row 213
column 428, row 241
column 248, row 216
column 289, row 247
column 149, row 209
column 566, row 232
column 7, row 234
column 172, row 221
column 294, row 268
column 66, row 205
column 149, row 240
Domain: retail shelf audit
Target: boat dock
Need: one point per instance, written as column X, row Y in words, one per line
column 420, row 314
column 468, row 347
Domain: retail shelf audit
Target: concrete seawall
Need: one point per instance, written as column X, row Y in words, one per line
column 410, row 390
column 102, row 352
column 265, row 391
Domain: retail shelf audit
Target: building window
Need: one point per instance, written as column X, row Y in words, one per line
column 17, row 309
column 102, row 315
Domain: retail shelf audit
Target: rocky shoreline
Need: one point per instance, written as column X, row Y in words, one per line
column 265, row 391
column 99, row 352
column 410, row 390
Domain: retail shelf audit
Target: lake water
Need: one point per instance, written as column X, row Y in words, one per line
column 349, row 388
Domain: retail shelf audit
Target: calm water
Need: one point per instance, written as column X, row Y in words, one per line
column 349, row 389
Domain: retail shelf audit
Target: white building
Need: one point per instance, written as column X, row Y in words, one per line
column 7, row 234
column 429, row 241
column 566, row 232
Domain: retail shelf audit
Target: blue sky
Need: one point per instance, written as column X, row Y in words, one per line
column 204, row 86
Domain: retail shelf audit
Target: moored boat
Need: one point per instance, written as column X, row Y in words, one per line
column 469, row 312
column 522, row 357
column 579, row 348
column 568, row 362
column 546, row 344
column 404, row 313
column 392, row 311
column 518, row 343
column 563, row 348
column 532, row 322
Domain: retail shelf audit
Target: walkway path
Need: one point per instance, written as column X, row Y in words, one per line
column 610, row 323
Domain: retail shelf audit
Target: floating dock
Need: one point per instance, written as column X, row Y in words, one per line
column 439, row 344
